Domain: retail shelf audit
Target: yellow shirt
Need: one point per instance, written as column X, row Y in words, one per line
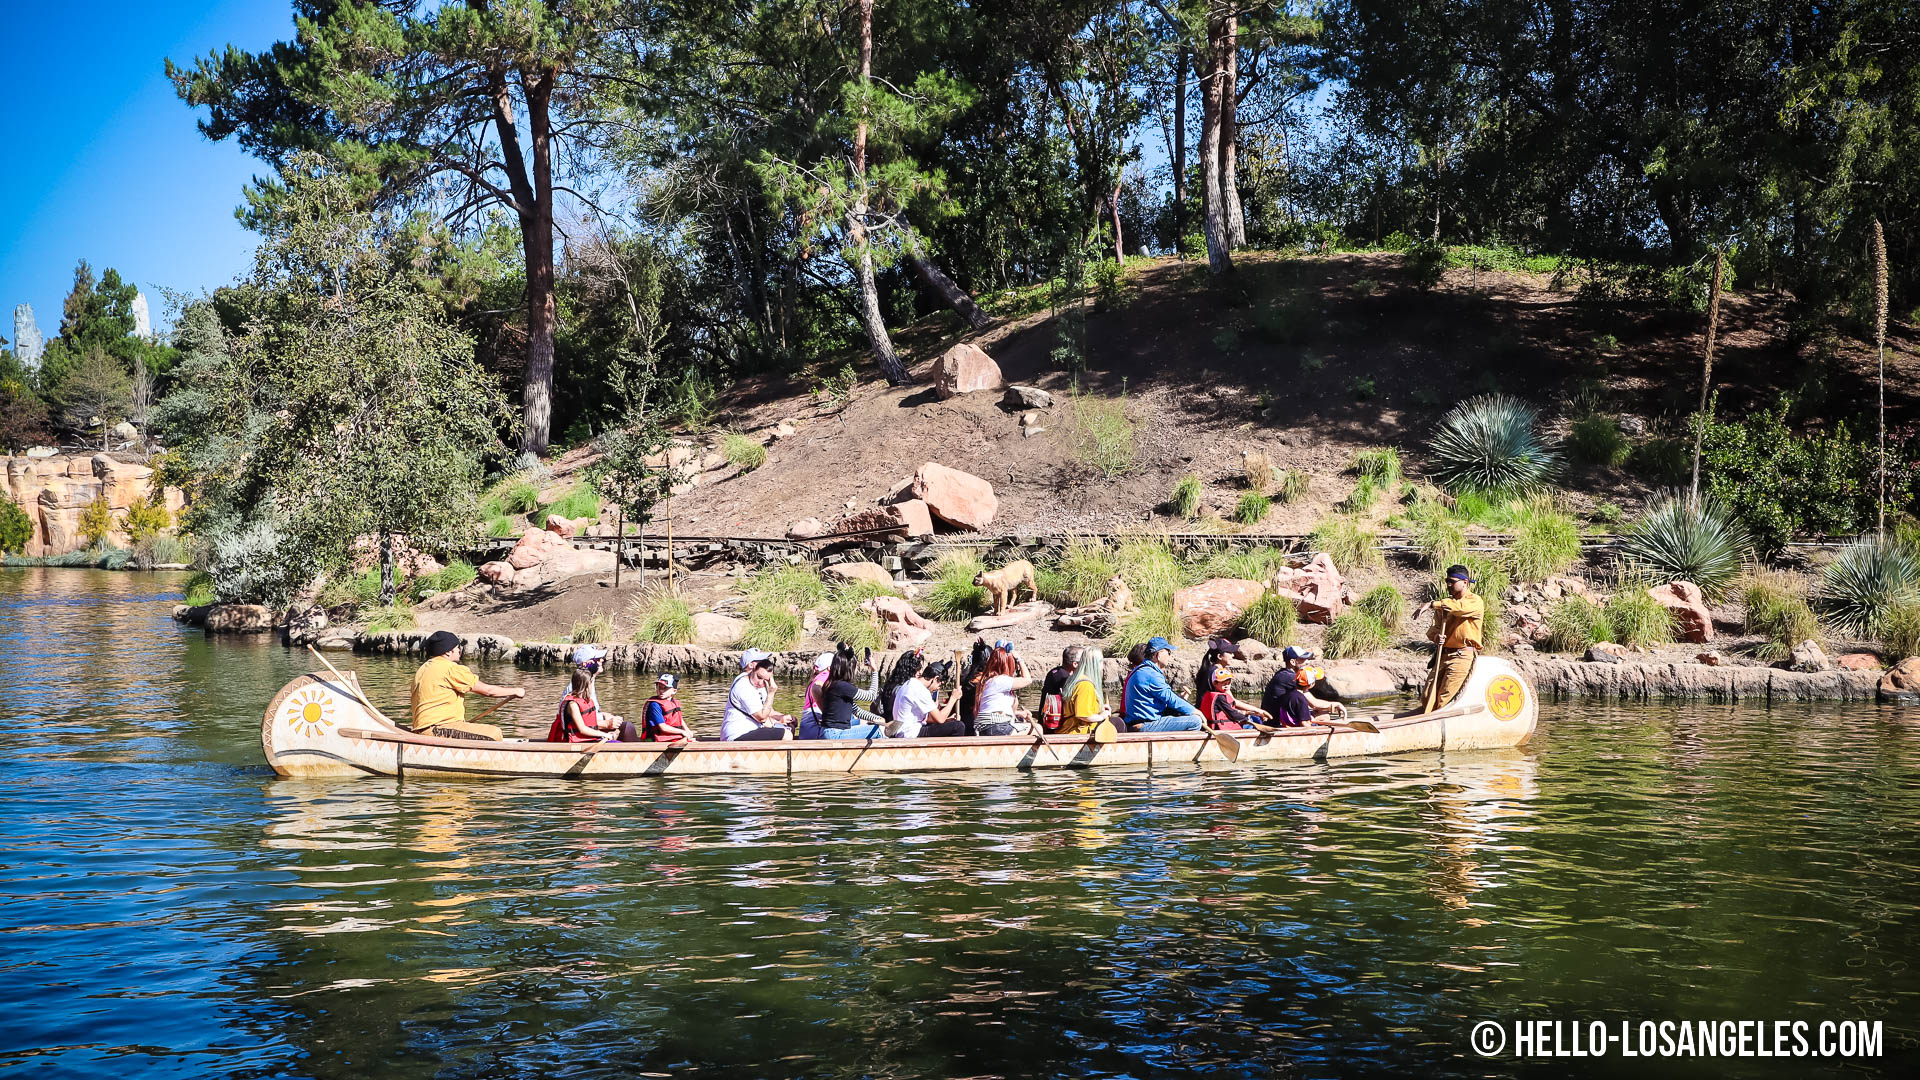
column 437, row 689
column 1460, row 620
column 1082, row 703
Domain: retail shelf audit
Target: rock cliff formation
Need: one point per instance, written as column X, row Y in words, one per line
column 55, row 491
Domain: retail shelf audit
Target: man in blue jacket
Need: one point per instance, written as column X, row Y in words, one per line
column 1151, row 703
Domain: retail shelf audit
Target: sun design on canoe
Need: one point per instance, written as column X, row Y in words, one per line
column 1505, row 696
column 309, row 712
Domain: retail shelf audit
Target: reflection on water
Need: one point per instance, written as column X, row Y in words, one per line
column 168, row 908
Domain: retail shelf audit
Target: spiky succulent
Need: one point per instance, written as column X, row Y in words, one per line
column 1492, row 443
column 1681, row 538
column 1861, row 588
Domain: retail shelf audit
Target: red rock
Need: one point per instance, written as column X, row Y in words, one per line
column 536, row 545
column 916, row 515
column 1253, row 649
column 1857, row 661
column 805, row 529
column 714, row 629
column 497, row 572
column 1711, row 659
column 857, row 571
column 904, row 627
column 1901, row 683
column 238, row 619
column 960, row 499
column 541, row 557
column 964, row 369
column 563, row 526
column 1215, row 605
column 1316, row 589
column 910, row 518
column 1692, row 622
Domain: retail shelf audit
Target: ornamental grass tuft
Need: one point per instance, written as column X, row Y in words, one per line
column 661, row 618
column 1185, row 501
column 954, row 596
column 1385, row 604
column 1351, row 545
column 1270, row 620
column 1354, row 633
column 1252, row 507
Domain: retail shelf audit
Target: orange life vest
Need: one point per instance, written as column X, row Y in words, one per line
column 561, row 731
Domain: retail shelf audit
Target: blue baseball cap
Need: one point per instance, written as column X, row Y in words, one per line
column 1154, row 645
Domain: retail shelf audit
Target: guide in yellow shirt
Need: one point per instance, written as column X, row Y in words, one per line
column 1457, row 620
column 440, row 688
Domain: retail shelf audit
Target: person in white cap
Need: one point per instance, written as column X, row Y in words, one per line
column 579, row 718
column 750, row 714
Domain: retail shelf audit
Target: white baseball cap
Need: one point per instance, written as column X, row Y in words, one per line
column 588, row 652
column 752, row 657
column 823, row 661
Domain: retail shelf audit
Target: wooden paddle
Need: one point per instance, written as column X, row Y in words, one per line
column 352, row 687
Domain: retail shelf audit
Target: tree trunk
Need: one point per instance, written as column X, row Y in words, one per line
column 387, row 589
column 1230, row 135
column 1706, row 372
column 871, row 319
column 953, row 294
column 533, row 203
column 1180, row 149
column 620, row 544
column 1119, row 241
column 1219, row 261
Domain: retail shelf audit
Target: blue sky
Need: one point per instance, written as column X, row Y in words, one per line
column 99, row 160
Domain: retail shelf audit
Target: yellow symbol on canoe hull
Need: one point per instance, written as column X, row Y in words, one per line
column 309, row 712
column 1505, row 697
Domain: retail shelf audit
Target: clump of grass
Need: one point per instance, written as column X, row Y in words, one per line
column 199, row 590
column 797, row 585
column 518, row 495
column 1361, row 499
column 1103, row 433
column 1437, row 535
column 1154, row 619
column 1185, row 502
column 1636, row 619
column 502, row 526
column 1349, row 544
column 1575, row 622
column 1596, row 439
column 395, row 616
column 1270, row 620
column 1382, row 466
column 661, row 617
column 580, row 501
column 1251, row 508
column 1258, row 469
column 1900, row 632
column 1354, row 633
column 1252, row 564
column 771, row 625
column 848, row 622
column 1290, row 486
column 1385, row 604
column 595, row 629
column 1492, row 443
column 954, row 596
column 1661, row 461
column 1869, row 578
column 457, row 574
column 743, row 452
column 1150, row 567
column 1546, row 541
column 1777, row 609
column 1082, row 573
column 1681, row 539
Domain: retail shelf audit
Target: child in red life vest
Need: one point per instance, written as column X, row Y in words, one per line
column 660, row 720
column 1226, row 711
column 579, row 718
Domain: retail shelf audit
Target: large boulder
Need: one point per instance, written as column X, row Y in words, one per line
column 564, row 526
column 55, row 490
column 857, row 571
column 915, row 515
column 960, row 499
column 904, row 627
column 1350, row 682
column 909, row 518
column 710, row 628
column 1901, row 683
column 1692, row 620
column 535, row 547
column 805, row 529
column 239, row 619
column 1857, row 661
column 542, row 557
column 964, row 369
column 1213, row 607
column 497, row 572
column 1027, row 397
column 1809, row 656
column 1316, row 588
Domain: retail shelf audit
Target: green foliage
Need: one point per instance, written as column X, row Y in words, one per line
column 770, row 625
column 1251, row 508
column 847, row 622
column 1438, row 537
column 518, row 495
column 96, row 521
column 627, row 474
column 457, row 574
column 143, row 519
column 1353, row 634
column 1492, row 444
column 797, row 585
column 1270, row 620
column 1636, row 619
column 597, row 628
column 1596, row 440
column 1289, row 319
column 1381, row 465
column 1109, row 284
column 1681, row 540
column 1864, row 583
column 1661, row 462
column 1362, row 388
column 1082, row 570
column 661, row 618
column 1900, row 632
column 1252, row 564
column 199, row 590
column 501, row 526
column 743, row 452
column 953, row 595
column 93, row 393
column 1185, row 501
column 1154, row 619
column 1150, row 567
column 1290, row 487
column 834, row 392
column 1545, row 543
column 1777, row 609
column 1426, row 263
column 1575, row 622
column 162, row 549
column 23, row 416
column 15, row 527
column 1361, row 499
column 1777, row 483
column 582, row 500
column 1385, row 604
column 1351, row 545
column 1103, row 433
column 395, row 616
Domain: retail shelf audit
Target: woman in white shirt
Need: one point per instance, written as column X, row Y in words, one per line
column 997, row 708
column 750, row 716
column 917, row 711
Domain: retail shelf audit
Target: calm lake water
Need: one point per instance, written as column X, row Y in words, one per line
column 169, row 908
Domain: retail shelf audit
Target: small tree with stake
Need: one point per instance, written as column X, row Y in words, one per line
column 634, row 472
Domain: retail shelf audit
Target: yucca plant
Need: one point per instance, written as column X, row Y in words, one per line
column 1185, row 502
column 1681, row 538
column 1871, row 576
column 1492, row 443
column 1270, row 620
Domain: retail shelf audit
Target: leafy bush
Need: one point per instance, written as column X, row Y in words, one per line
column 771, row 624
column 1661, row 462
column 1102, row 433
column 1575, row 622
column 834, row 392
column 742, row 451
column 1258, row 469
column 1900, row 632
column 1349, row 544
column 1354, row 633
column 1362, row 388
column 1290, row 487
column 199, row 591
column 1777, row 483
column 1385, row 604
column 1185, row 502
column 1545, row 542
column 96, row 521
column 143, row 519
column 16, row 528
column 954, row 596
column 1251, row 508
column 395, row 616
column 661, row 617
column 162, row 549
column 797, row 585
column 1109, row 284
column 1291, row 319
column 1426, row 263
column 1679, row 540
column 1492, row 443
column 1863, row 585
column 249, row 564
column 1270, row 620
column 1083, row 570
column 1597, row 440
column 1636, row 618
column 1382, row 466
column 580, row 501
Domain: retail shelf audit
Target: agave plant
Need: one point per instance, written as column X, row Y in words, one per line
column 1492, row 443
column 1682, row 538
column 1871, row 578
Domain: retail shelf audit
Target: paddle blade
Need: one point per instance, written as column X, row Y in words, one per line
column 1363, row 725
column 1104, row 732
column 1229, row 745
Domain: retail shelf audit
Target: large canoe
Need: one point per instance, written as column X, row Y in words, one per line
column 317, row 726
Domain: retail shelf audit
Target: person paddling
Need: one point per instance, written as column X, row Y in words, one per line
column 440, row 686
column 1457, row 619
